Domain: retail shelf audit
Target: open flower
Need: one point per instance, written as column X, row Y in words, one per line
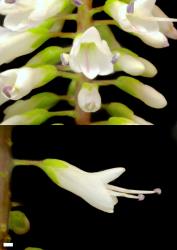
column 90, row 55
column 92, row 187
column 16, row 83
column 144, row 19
column 24, row 14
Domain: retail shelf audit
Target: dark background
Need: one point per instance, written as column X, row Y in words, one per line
column 60, row 219
column 165, row 81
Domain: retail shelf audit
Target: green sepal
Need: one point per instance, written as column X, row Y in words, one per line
column 50, row 166
column 45, row 100
column 50, row 55
column 129, row 85
column 120, row 121
column 50, row 73
column 118, row 110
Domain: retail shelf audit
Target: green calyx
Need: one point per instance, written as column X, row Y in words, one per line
column 44, row 100
column 118, row 110
column 49, row 72
column 120, row 121
column 129, row 85
column 50, row 55
column 51, row 167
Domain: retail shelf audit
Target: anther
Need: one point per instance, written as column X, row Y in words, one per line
column 158, row 191
column 77, row 2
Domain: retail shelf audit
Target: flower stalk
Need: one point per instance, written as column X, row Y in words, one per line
column 84, row 21
column 5, row 173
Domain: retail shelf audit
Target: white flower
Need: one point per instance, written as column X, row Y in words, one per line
column 144, row 19
column 14, row 44
column 24, row 14
column 89, row 98
column 91, row 55
column 16, row 83
column 92, row 187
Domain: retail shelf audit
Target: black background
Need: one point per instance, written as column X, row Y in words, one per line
column 60, row 219
column 164, row 82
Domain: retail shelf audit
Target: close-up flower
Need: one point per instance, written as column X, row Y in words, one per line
column 21, row 15
column 143, row 19
column 91, row 55
column 86, row 43
column 92, row 187
column 100, row 79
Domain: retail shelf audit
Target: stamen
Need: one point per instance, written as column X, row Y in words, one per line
column 131, row 191
column 115, row 58
column 131, row 7
column 117, row 194
column 78, row 2
column 158, row 191
column 141, row 197
column 64, row 59
column 153, row 18
column 6, row 90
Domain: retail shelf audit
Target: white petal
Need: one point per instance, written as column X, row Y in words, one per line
column 89, row 100
column 165, row 27
column 46, row 8
column 91, row 35
column 15, row 44
column 152, row 97
column 131, row 65
column 150, row 69
column 88, row 62
column 104, row 58
column 144, row 7
column 110, row 174
column 19, row 5
column 154, row 39
column 149, row 32
column 87, row 186
column 18, row 21
column 119, row 13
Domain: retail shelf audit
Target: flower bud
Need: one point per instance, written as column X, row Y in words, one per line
column 50, row 55
column 145, row 93
column 18, row 222
column 120, row 110
column 44, row 100
column 34, row 117
column 89, row 98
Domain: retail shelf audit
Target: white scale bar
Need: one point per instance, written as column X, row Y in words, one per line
column 8, row 244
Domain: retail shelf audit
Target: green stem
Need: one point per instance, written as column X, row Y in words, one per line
column 69, row 75
column 63, row 34
column 96, row 10
column 67, row 17
column 5, row 170
column 104, row 22
column 17, row 162
column 70, row 113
